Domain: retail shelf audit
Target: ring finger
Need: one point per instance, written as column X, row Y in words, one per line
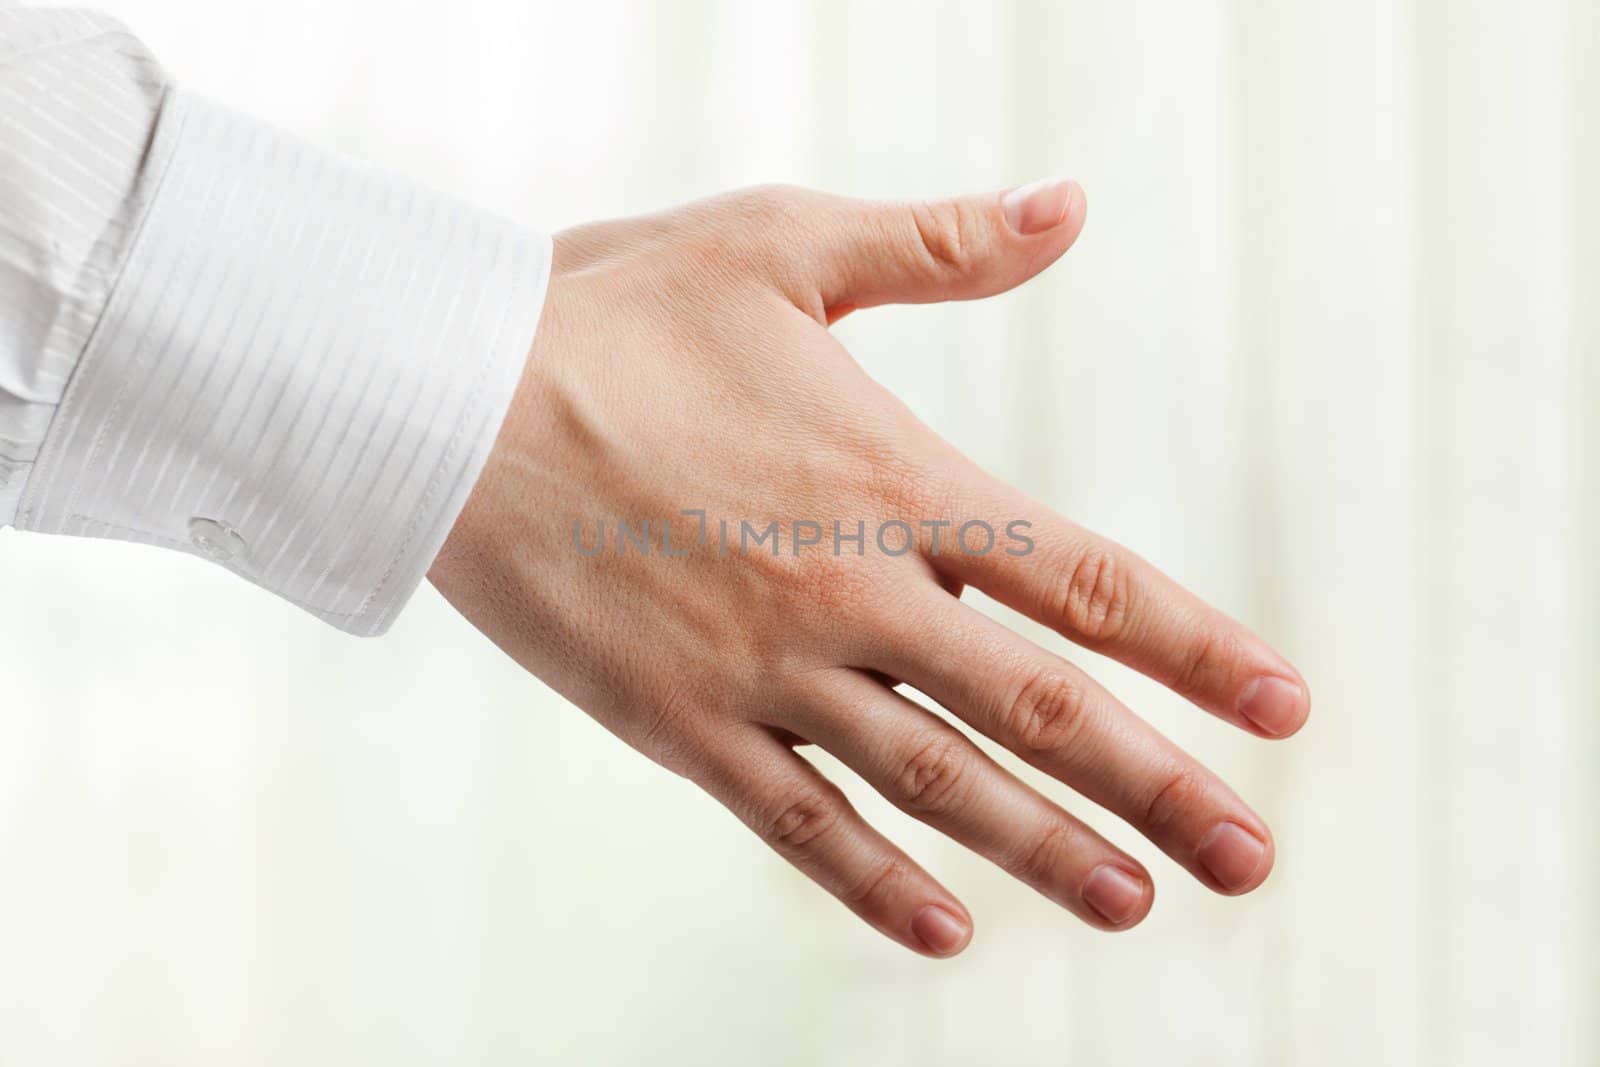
column 929, row 769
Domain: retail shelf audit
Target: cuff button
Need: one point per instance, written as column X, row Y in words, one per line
column 221, row 543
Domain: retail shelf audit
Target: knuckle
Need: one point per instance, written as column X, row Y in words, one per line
column 1095, row 596
column 660, row 731
column 907, row 499
column 770, row 203
column 744, row 232
column 1175, row 792
column 1039, row 864
column 873, row 892
column 897, row 483
column 803, row 823
column 930, row 780
column 948, row 234
column 1209, row 655
column 820, row 586
column 1048, row 714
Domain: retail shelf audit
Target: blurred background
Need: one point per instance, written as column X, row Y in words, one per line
column 1328, row 352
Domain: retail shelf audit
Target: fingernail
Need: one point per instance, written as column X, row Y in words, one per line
column 1232, row 854
column 940, row 931
column 1114, row 893
column 1037, row 206
column 1274, row 705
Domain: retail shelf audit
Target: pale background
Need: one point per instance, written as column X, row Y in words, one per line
column 1327, row 351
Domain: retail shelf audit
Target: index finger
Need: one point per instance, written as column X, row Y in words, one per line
column 1100, row 595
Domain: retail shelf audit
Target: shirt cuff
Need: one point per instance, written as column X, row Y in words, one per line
column 300, row 371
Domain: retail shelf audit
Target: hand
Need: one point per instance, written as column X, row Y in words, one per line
column 684, row 362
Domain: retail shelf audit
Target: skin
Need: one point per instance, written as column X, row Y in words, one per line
column 684, row 361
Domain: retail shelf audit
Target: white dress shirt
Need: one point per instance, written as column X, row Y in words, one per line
column 217, row 338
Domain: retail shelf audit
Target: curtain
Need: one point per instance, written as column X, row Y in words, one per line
column 1327, row 352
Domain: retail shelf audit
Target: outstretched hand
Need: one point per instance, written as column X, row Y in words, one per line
column 705, row 525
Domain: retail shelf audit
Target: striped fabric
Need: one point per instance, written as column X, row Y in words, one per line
column 216, row 338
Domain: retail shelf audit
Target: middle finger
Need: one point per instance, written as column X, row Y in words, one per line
column 1059, row 719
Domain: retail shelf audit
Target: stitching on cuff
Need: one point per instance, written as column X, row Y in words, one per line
column 469, row 416
column 163, row 541
column 159, row 207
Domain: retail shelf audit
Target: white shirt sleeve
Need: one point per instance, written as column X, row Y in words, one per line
column 217, row 338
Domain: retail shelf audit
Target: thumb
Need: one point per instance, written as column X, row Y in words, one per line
column 961, row 249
